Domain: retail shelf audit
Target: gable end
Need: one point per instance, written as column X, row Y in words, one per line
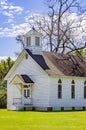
column 38, row 59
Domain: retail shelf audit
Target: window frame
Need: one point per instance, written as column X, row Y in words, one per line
column 72, row 89
column 59, row 89
column 37, row 41
column 26, row 56
column 28, row 41
column 85, row 90
column 27, row 91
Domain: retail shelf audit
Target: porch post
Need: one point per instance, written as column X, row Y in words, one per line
column 21, row 92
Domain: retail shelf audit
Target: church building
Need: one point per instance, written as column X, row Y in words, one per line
column 41, row 80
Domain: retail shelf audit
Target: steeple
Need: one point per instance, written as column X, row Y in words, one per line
column 33, row 28
column 33, row 41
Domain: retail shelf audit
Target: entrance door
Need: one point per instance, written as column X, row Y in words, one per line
column 27, row 94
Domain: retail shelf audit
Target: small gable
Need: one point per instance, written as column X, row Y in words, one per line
column 25, row 79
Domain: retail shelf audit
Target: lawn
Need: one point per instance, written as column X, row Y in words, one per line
column 33, row 120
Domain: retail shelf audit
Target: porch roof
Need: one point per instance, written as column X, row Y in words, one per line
column 26, row 79
column 22, row 79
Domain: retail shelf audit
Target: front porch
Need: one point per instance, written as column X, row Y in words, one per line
column 20, row 105
column 22, row 96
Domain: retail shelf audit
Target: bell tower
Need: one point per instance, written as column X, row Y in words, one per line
column 33, row 41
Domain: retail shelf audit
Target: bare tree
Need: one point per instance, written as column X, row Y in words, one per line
column 59, row 28
column 20, row 40
column 62, row 31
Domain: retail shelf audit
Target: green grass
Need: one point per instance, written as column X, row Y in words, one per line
column 27, row 120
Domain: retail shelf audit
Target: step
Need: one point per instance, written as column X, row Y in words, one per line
column 28, row 107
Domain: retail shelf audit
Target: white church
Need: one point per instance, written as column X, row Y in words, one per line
column 41, row 80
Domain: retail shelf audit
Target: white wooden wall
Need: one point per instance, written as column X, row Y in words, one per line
column 40, row 90
column 66, row 100
column 44, row 90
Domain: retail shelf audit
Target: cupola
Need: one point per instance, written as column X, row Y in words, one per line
column 33, row 41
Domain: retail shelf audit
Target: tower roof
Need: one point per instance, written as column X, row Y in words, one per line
column 33, row 31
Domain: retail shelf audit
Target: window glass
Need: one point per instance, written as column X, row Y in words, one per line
column 59, row 89
column 37, row 41
column 85, row 89
column 72, row 89
column 26, row 92
column 28, row 41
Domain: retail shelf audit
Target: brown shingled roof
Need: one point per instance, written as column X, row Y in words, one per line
column 64, row 64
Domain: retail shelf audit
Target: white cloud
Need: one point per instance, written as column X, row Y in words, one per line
column 3, row 2
column 8, row 14
column 16, row 9
column 9, row 21
column 5, row 57
column 24, row 27
column 14, row 30
column 9, row 9
column 4, row 7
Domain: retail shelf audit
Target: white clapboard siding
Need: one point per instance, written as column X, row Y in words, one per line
column 66, row 100
column 40, row 89
column 44, row 90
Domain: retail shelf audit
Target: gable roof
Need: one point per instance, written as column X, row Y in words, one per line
column 65, row 65
column 33, row 31
column 55, row 64
column 39, row 59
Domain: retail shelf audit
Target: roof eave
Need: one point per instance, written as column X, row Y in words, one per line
column 65, row 76
column 18, row 60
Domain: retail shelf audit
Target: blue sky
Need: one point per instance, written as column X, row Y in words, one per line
column 13, row 15
column 13, row 20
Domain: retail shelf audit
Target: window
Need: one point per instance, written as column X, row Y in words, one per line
column 72, row 89
column 59, row 89
column 26, row 93
column 28, row 41
column 85, row 89
column 37, row 41
column 26, row 56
